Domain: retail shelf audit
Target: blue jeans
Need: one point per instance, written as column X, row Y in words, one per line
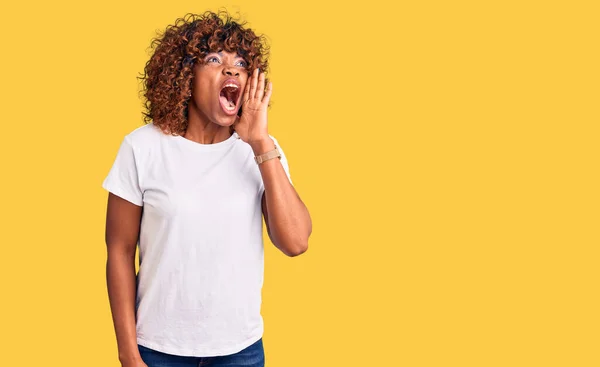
column 252, row 356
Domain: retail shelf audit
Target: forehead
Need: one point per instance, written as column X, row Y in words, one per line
column 221, row 53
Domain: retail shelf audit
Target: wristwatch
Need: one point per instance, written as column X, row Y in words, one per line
column 268, row 155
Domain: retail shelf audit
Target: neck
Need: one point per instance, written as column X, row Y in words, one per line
column 204, row 131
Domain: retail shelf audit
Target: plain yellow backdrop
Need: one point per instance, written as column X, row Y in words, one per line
column 447, row 152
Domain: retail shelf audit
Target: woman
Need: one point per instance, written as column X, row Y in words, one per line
column 191, row 186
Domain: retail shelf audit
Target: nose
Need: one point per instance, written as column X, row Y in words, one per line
column 231, row 71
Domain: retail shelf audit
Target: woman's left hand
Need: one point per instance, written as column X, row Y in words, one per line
column 252, row 125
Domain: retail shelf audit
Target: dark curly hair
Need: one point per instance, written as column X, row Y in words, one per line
column 167, row 78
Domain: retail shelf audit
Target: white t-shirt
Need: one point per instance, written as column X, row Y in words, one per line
column 201, row 244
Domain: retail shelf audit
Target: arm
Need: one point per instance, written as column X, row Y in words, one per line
column 288, row 221
column 122, row 230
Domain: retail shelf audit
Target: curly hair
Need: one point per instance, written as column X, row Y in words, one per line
column 168, row 74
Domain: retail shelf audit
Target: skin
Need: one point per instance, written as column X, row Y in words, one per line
column 287, row 219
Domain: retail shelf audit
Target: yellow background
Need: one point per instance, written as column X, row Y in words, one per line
column 447, row 152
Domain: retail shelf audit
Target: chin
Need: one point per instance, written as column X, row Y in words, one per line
column 225, row 120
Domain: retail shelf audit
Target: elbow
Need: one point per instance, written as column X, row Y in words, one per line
column 298, row 249
column 291, row 246
column 300, row 246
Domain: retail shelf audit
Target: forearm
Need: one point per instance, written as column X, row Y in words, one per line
column 289, row 221
column 121, row 283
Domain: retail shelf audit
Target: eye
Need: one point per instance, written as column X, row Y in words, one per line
column 243, row 63
column 212, row 58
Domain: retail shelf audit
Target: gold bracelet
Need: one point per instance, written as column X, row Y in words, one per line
column 268, row 155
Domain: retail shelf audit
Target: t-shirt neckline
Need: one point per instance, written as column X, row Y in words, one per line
column 205, row 147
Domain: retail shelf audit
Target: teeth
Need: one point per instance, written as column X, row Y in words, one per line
column 231, row 85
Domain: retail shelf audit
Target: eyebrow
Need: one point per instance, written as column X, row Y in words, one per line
column 220, row 53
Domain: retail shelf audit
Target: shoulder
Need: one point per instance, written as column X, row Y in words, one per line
column 146, row 135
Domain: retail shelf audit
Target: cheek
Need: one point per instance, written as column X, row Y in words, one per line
column 202, row 98
column 201, row 82
column 243, row 80
column 202, row 91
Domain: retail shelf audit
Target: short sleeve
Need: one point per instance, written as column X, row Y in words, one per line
column 123, row 178
column 284, row 161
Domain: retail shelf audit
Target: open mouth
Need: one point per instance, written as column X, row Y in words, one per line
column 229, row 97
